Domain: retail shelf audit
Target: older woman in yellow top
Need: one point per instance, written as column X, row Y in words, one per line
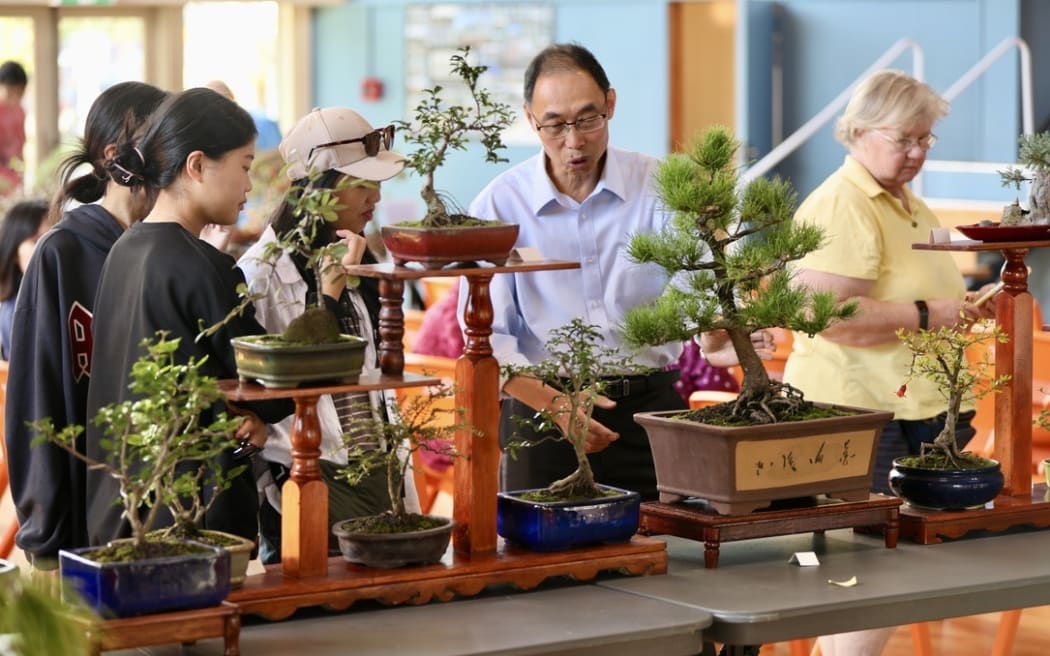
column 871, row 219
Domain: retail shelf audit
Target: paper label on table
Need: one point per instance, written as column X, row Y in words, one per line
column 805, row 559
column 940, row 235
column 525, row 254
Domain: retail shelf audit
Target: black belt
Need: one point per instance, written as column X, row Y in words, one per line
column 624, row 386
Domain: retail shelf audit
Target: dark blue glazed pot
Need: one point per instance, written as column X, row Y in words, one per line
column 554, row 526
column 148, row 586
column 946, row 489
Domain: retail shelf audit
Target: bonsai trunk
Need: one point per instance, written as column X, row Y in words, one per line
column 1039, row 201
column 581, row 482
column 395, row 480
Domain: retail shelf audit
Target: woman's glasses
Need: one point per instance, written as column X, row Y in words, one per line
column 905, row 144
column 372, row 141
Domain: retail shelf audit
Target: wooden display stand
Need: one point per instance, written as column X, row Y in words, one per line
column 699, row 522
column 1018, row 504
column 188, row 626
column 307, row 577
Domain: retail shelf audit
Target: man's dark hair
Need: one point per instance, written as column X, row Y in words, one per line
column 564, row 57
column 12, row 74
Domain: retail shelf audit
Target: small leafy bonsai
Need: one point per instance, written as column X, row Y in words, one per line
column 576, row 366
column 940, row 356
column 152, row 440
column 1033, row 153
column 423, row 422
column 726, row 252
column 314, row 206
column 436, row 129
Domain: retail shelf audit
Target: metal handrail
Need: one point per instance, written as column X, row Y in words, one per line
column 810, row 127
column 964, row 82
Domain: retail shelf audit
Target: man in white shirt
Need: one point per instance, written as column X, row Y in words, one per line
column 580, row 200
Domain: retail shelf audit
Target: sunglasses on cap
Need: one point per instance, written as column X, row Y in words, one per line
column 372, row 141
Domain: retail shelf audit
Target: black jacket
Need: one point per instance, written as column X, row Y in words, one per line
column 50, row 366
column 161, row 277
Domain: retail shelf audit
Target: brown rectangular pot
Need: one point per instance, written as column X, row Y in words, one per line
column 741, row 469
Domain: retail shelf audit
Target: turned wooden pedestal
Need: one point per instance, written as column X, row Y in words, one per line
column 1018, row 504
column 307, row 577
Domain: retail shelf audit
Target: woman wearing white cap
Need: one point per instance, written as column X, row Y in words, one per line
column 334, row 143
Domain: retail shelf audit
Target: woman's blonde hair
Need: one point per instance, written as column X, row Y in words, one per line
column 889, row 99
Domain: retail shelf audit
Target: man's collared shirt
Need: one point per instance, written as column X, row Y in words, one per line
column 595, row 233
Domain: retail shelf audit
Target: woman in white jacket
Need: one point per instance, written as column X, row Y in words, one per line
column 335, row 144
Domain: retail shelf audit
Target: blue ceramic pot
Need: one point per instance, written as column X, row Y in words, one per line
column 554, row 526
column 946, row 489
column 148, row 586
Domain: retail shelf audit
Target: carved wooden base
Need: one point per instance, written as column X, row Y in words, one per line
column 694, row 520
column 187, row 626
column 275, row 596
column 933, row 526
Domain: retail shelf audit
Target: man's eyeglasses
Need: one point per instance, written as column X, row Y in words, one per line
column 372, row 141
column 582, row 125
column 905, row 144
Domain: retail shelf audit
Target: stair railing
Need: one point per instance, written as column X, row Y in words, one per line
column 829, row 112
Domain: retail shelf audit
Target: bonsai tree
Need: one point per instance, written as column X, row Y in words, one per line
column 941, row 357
column 34, row 619
column 420, row 423
column 437, row 129
column 315, row 206
column 726, row 252
column 1033, row 153
column 149, row 440
column 576, row 366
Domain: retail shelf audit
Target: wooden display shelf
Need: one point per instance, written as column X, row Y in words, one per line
column 187, row 626
column 696, row 521
column 931, row 527
column 307, row 577
column 1019, row 504
column 275, row 596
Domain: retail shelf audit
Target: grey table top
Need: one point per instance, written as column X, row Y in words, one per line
column 757, row 596
column 578, row 620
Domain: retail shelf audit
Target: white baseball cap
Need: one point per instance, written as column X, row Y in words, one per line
column 334, row 138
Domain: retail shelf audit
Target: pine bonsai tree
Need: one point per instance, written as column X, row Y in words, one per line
column 726, row 252
column 576, row 366
column 436, row 129
column 941, row 357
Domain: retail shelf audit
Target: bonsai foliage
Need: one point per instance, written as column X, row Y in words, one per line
column 423, row 422
column 726, row 252
column 576, row 366
column 941, row 357
column 159, row 451
column 436, row 129
column 314, row 206
column 1034, row 154
column 34, row 618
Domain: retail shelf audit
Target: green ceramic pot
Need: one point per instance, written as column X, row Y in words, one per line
column 275, row 363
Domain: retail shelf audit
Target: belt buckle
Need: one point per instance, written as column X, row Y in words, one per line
column 618, row 389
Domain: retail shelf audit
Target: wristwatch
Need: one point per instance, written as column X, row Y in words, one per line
column 924, row 314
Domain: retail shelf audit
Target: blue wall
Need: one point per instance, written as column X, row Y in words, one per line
column 829, row 43
column 628, row 37
column 826, row 44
